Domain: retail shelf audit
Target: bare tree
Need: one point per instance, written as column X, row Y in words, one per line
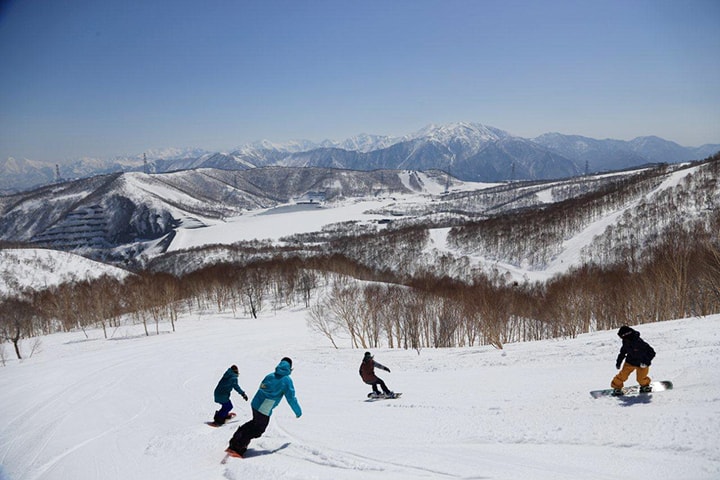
column 16, row 317
column 343, row 303
column 254, row 288
column 321, row 320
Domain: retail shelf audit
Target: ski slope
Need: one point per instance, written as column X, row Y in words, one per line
column 134, row 407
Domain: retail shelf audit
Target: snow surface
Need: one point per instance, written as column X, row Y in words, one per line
column 134, row 407
column 274, row 223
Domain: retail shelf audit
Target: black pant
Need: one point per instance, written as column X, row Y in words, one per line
column 246, row 432
column 222, row 414
column 377, row 382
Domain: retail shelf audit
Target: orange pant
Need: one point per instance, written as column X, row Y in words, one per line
column 624, row 373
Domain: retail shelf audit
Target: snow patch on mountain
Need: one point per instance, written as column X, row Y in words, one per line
column 39, row 269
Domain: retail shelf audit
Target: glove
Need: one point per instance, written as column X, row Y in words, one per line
column 388, row 370
column 618, row 365
column 245, row 397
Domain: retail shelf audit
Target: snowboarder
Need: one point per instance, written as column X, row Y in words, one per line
column 637, row 355
column 225, row 386
column 367, row 373
column 272, row 389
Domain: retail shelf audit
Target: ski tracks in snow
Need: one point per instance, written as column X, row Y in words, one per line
column 334, row 458
column 40, row 470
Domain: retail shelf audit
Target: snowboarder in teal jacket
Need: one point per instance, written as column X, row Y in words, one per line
column 272, row 389
column 225, row 386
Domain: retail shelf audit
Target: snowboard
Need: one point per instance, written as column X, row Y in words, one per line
column 230, row 453
column 251, row 452
column 213, row 424
column 634, row 389
column 381, row 396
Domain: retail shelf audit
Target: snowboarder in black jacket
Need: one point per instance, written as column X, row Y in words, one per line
column 637, row 355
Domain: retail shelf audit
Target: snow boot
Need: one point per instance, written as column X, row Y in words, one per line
column 217, row 420
column 233, row 453
column 617, row 392
column 646, row 389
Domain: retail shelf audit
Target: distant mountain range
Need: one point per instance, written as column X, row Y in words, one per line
column 468, row 151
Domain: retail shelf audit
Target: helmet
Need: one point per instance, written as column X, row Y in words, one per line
column 624, row 331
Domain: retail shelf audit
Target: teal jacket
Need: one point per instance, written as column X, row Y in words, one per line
column 273, row 387
column 227, row 383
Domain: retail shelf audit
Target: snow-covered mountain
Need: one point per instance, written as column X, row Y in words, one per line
column 122, row 218
column 592, row 154
column 660, row 150
column 467, row 136
column 470, row 151
column 363, row 143
column 603, row 155
column 20, row 174
column 38, row 269
column 103, row 212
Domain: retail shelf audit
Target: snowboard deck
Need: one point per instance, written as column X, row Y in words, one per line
column 634, row 389
column 228, row 454
column 381, row 396
column 252, row 452
column 228, row 420
column 215, row 425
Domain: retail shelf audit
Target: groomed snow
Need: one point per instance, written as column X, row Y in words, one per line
column 273, row 224
column 134, row 407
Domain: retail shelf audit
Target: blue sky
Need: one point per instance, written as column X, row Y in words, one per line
column 101, row 78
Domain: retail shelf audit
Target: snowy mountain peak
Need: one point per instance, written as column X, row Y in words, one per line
column 467, row 137
column 477, row 152
column 13, row 165
column 460, row 131
column 291, row 146
column 365, row 142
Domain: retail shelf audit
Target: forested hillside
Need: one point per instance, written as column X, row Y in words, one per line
column 556, row 259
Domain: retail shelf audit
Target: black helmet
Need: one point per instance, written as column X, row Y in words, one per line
column 624, row 331
column 287, row 359
column 368, row 355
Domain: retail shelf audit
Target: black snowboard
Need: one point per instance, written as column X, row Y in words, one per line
column 228, row 420
column 381, row 396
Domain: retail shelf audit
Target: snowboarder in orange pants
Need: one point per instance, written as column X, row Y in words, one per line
column 637, row 355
